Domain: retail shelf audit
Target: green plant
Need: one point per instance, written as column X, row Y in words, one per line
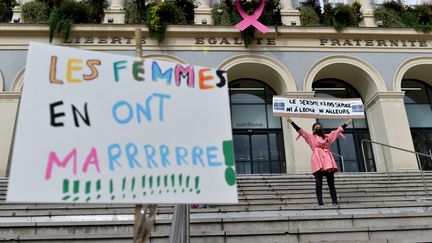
column 188, row 8
column 6, row 10
column 96, row 10
column 409, row 17
column 35, row 12
column 271, row 14
column 340, row 17
column 52, row 3
column 327, row 16
column 396, row 6
column 159, row 15
column 62, row 17
column 344, row 17
column 221, row 14
column 424, row 18
column 312, row 4
column 395, row 14
column 389, row 17
column 355, row 7
column 308, row 16
column 133, row 14
column 248, row 35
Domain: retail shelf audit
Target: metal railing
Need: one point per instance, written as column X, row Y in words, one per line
column 342, row 160
column 401, row 149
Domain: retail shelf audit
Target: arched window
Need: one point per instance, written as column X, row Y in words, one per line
column 349, row 149
column 257, row 134
column 418, row 105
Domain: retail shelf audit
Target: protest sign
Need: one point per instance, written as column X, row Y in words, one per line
column 317, row 107
column 103, row 128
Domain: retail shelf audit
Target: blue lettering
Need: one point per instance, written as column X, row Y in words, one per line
column 131, row 152
column 150, row 152
column 211, row 156
column 129, row 110
column 197, row 153
column 157, row 73
column 164, row 152
column 146, row 112
column 161, row 104
column 181, row 153
column 113, row 155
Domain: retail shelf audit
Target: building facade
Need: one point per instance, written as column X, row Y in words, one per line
column 389, row 69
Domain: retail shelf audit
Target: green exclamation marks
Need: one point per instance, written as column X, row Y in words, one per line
column 112, row 189
column 76, row 189
column 151, row 184
column 197, row 185
column 230, row 176
column 173, row 182
column 98, row 187
column 124, row 186
column 181, row 181
column 187, row 183
column 87, row 190
column 158, row 183
column 66, row 189
column 166, row 183
column 143, row 183
column 133, row 186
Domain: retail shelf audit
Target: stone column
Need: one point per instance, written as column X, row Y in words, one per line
column 115, row 13
column 388, row 124
column 203, row 12
column 17, row 12
column 289, row 15
column 8, row 109
column 297, row 153
column 367, row 12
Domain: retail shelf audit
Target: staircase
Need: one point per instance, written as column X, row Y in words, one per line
column 373, row 207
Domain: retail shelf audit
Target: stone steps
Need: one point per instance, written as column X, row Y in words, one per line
column 415, row 233
column 274, row 208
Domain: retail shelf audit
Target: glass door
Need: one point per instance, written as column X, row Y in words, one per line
column 258, row 152
column 422, row 139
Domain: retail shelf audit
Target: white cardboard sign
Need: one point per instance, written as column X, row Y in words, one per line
column 102, row 128
column 317, row 107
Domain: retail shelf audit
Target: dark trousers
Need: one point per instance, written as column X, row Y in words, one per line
column 318, row 186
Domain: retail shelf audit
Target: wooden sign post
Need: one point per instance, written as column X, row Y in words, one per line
column 144, row 214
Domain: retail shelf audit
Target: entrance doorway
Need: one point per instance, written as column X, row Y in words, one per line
column 418, row 105
column 349, row 149
column 258, row 152
column 257, row 134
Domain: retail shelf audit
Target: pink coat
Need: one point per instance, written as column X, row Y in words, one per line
column 322, row 157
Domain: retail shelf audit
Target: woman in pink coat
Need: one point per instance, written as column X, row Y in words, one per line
column 322, row 161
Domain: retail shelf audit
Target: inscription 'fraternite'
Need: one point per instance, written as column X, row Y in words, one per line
column 377, row 43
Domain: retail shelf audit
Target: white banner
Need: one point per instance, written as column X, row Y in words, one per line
column 317, row 107
column 102, row 128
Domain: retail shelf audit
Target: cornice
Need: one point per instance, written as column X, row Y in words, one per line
column 300, row 94
column 212, row 37
column 391, row 95
column 9, row 96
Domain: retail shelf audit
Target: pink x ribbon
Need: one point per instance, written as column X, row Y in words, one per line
column 252, row 19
